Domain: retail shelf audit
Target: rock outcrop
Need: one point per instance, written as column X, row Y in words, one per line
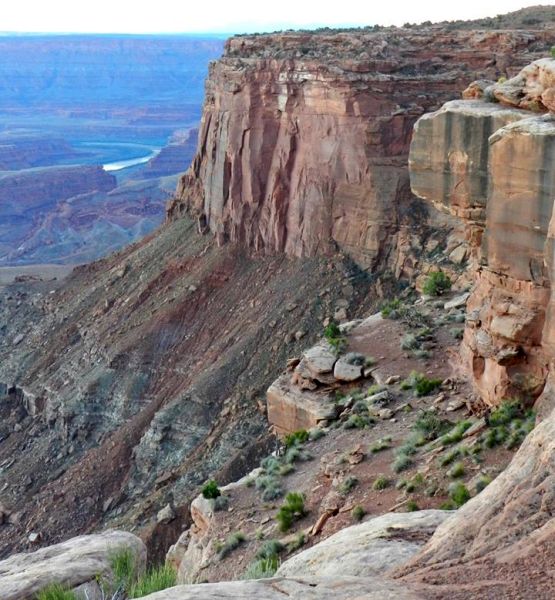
column 77, row 562
column 491, row 167
column 304, row 137
column 369, row 549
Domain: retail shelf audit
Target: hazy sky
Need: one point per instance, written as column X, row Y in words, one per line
column 233, row 16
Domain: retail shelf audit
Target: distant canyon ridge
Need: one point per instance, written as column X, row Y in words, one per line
column 94, row 131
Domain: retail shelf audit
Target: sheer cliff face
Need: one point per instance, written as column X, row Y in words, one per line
column 491, row 166
column 304, row 138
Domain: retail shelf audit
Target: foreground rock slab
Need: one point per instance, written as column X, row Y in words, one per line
column 73, row 563
column 305, row 588
column 368, row 549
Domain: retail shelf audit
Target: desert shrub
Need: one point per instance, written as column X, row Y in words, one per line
column 270, row 548
column 270, row 465
column 358, row 422
column 505, row 413
column 233, row 542
column 459, row 493
column 421, row 385
column 357, row 514
column 298, row 542
column 482, row 483
column 412, row 506
column 401, row 463
column 56, row 592
column 154, row 580
column 390, row 309
column 292, row 510
column 429, row 425
column 296, row 438
column 380, row 445
column 210, row 491
column 315, row 434
column 436, row 284
column 270, row 487
column 457, row 470
column 221, row 503
column 455, row 434
column 380, row 483
column 409, row 342
column 333, row 335
column 449, row 457
column 457, row 332
column 286, row 469
column 448, row 505
column 348, row 484
column 295, row 454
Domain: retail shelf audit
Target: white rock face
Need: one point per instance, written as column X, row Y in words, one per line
column 369, row 549
column 72, row 563
column 305, row 588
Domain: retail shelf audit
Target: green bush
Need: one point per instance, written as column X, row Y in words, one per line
column 210, row 491
column 401, row 463
column 333, row 335
column 315, row 434
column 358, row 513
column 56, row 592
column 298, row 542
column 390, row 309
column 291, row 511
column 482, row 483
column 421, row 385
column 380, row 483
column 358, row 422
column 457, row 470
column 221, row 503
column 154, row 580
column 124, row 568
column 296, row 438
column 412, row 506
column 459, row 493
column 436, row 284
column 456, row 433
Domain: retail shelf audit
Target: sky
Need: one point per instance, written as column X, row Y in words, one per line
column 231, row 16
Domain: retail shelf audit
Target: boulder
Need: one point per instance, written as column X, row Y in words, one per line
column 72, row 563
column 369, row 549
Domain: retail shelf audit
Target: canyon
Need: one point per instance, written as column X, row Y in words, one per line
column 334, row 173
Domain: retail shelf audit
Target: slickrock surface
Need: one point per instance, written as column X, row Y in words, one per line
column 369, row 549
column 301, row 588
column 73, row 563
column 501, row 544
column 304, row 137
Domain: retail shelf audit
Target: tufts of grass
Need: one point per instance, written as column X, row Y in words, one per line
column 286, row 469
column 262, row 568
column 292, row 510
column 233, row 542
column 270, row 465
column 448, row 505
column 335, row 338
column 124, row 570
column 348, row 485
column 56, row 592
column 449, row 457
column 455, row 435
column 421, row 385
column 381, row 483
column 154, row 580
column 270, row 487
column 459, row 493
column 457, row 332
column 357, row 514
column 221, row 503
column 390, row 309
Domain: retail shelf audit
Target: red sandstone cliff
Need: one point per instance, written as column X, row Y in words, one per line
column 304, row 138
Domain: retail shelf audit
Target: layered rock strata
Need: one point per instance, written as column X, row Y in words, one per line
column 304, row 137
column 492, row 168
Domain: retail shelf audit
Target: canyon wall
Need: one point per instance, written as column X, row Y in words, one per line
column 491, row 166
column 304, row 137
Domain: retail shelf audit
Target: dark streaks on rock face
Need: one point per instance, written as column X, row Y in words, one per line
column 304, row 138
